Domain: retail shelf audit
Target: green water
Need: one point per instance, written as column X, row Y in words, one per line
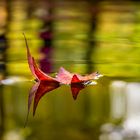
column 99, row 112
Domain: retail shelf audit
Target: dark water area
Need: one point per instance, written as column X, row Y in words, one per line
column 83, row 37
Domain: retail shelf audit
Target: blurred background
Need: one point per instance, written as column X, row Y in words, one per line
column 83, row 36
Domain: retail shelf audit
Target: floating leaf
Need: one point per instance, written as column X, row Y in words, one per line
column 65, row 76
column 45, row 83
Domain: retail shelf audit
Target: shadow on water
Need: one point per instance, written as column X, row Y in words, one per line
column 3, row 47
column 1, row 113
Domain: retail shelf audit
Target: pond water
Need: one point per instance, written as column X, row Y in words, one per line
column 109, row 110
column 105, row 39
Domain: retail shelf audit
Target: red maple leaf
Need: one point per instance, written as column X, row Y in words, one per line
column 76, row 86
column 76, row 81
column 65, row 76
column 44, row 83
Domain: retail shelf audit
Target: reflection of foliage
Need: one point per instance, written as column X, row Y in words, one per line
column 117, row 37
column 70, row 40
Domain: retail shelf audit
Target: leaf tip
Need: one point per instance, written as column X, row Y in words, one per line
column 26, row 120
column 74, row 97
